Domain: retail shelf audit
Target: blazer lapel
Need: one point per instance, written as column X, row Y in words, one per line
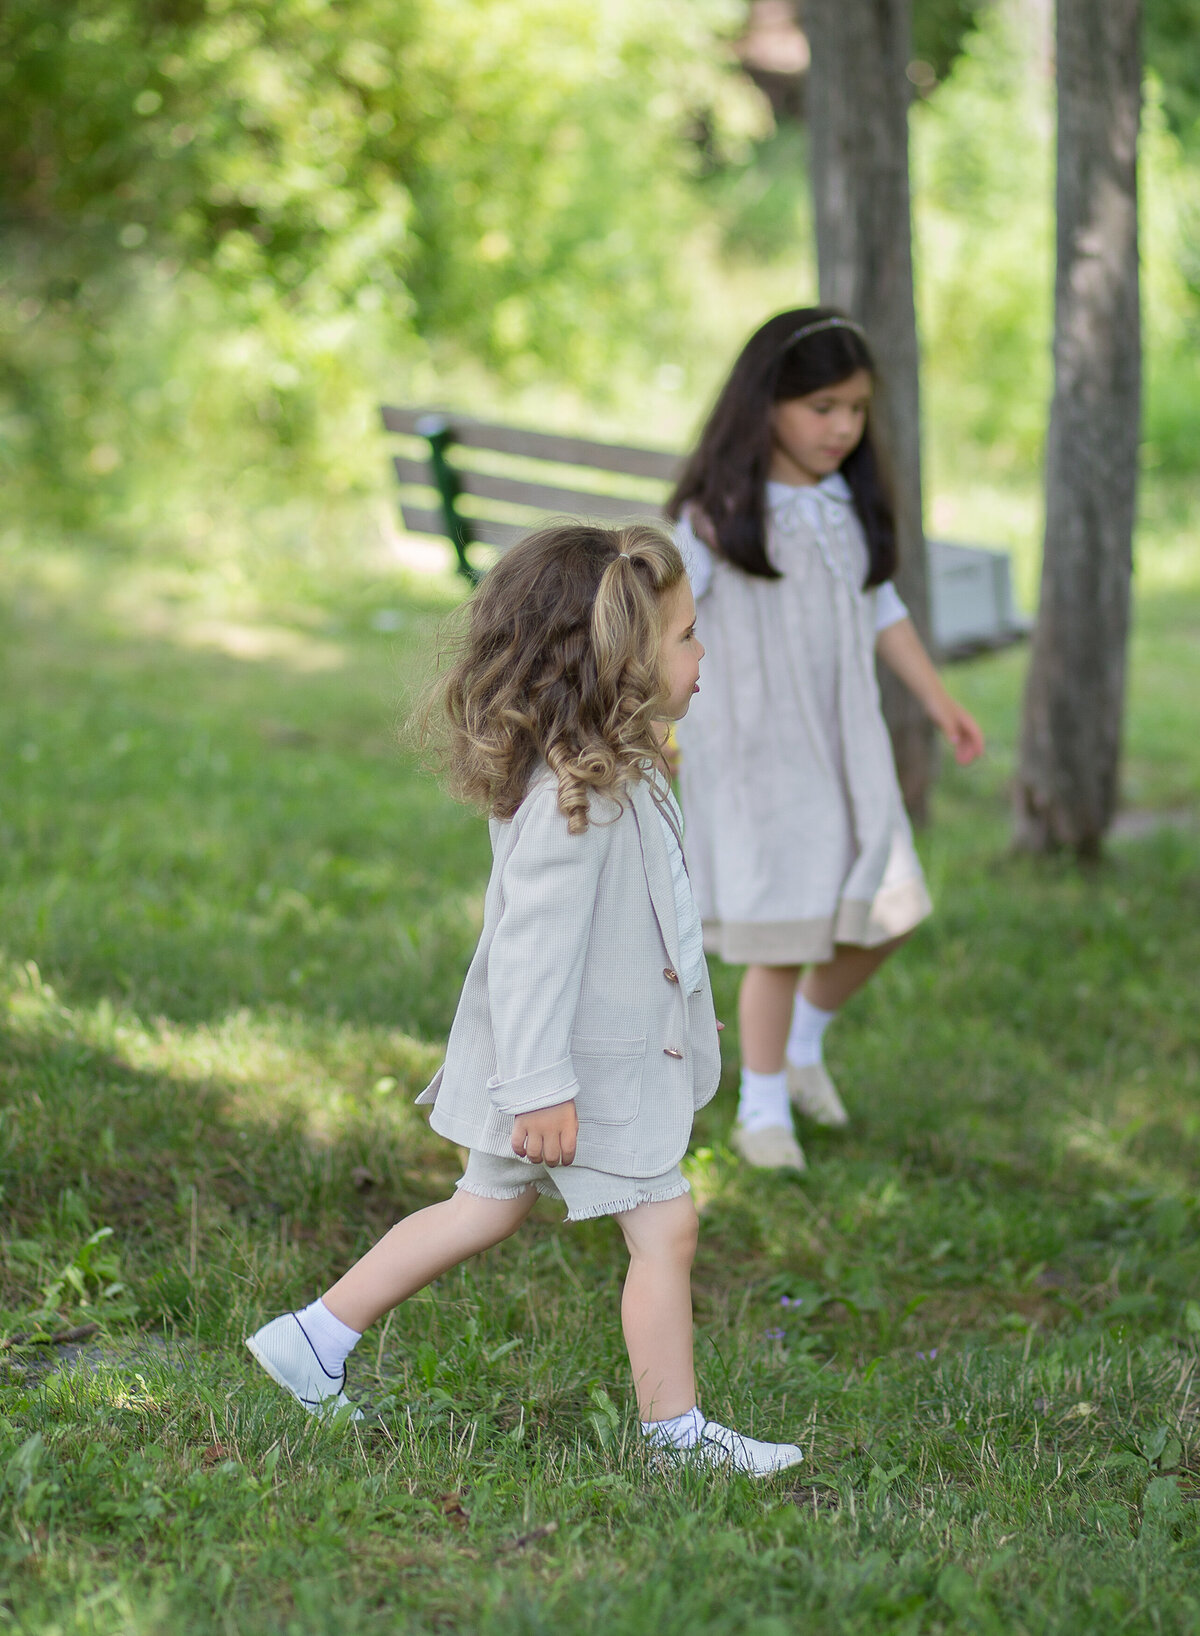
column 657, row 866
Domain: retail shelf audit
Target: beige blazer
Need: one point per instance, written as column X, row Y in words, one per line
column 574, row 992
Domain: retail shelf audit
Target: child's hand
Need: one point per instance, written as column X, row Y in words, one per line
column 962, row 730
column 548, row 1135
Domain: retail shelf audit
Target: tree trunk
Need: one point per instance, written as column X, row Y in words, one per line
column 858, row 97
column 1066, row 786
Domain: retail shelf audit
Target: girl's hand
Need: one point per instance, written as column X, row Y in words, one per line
column 962, row 730
column 902, row 651
column 547, row 1136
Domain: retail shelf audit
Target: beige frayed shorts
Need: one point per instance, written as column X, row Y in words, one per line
column 586, row 1193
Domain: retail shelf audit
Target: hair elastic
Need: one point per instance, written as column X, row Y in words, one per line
column 820, row 324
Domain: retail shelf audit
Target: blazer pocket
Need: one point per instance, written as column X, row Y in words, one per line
column 609, row 1073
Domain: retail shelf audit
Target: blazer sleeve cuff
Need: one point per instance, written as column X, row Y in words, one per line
column 542, row 1088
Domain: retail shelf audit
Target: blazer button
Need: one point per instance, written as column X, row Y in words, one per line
column 671, row 976
column 672, row 1051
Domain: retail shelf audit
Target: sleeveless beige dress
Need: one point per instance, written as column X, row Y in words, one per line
column 797, row 837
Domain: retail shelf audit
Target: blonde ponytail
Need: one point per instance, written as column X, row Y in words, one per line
column 560, row 662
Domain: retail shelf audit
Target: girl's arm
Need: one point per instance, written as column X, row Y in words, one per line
column 903, row 652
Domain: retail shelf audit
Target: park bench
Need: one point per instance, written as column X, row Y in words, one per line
column 481, row 482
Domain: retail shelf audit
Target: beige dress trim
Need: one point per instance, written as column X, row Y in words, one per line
column 799, row 942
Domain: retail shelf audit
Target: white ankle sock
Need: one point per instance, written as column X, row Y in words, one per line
column 680, row 1433
column 331, row 1339
column 763, row 1101
column 809, row 1023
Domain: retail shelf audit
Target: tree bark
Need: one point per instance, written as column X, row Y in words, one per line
column 858, row 98
column 1067, row 779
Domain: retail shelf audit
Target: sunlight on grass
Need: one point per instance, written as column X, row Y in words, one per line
column 236, row 917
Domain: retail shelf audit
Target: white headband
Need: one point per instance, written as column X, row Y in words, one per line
column 820, row 324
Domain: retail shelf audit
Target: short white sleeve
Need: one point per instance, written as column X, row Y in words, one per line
column 697, row 558
column 889, row 610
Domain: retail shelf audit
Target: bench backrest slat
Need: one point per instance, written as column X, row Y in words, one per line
column 408, row 469
column 424, row 520
column 541, row 497
column 575, row 502
column 517, row 440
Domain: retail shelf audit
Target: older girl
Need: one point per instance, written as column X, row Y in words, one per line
column 585, row 1038
column 800, row 850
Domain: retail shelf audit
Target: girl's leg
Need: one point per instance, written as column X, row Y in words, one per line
column 829, row 985
column 656, row 1306
column 825, row 989
column 421, row 1247
column 764, row 1134
column 764, row 1012
column 782, row 1025
column 768, row 994
column 305, row 1352
column 656, row 1314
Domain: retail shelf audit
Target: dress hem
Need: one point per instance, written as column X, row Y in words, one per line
column 890, row 914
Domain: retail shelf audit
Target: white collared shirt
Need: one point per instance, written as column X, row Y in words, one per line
column 698, row 559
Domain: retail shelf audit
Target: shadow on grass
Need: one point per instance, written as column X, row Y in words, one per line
column 255, row 911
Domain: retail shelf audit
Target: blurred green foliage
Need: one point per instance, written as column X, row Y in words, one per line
column 305, row 184
column 228, row 228
column 441, row 161
column 983, row 167
column 939, row 28
column 1172, row 50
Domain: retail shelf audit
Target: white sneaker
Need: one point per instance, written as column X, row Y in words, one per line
column 719, row 1446
column 815, row 1094
column 288, row 1356
column 774, row 1148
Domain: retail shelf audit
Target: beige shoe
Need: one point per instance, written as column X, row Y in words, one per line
column 774, row 1148
column 814, row 1093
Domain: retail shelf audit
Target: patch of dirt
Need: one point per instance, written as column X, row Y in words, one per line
column 1140, row 822
column 815, row 1499
column 32, row 1366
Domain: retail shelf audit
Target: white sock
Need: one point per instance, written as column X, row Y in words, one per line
column 763, row 1101
column 331, row 1339
column 680, row 1433
column 809, row 1023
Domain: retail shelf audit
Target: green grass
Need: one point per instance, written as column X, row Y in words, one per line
column 234, row 916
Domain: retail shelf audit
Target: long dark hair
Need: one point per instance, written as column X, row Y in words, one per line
column 724, row 481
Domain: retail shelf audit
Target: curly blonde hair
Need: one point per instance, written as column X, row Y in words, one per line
column 560, row 663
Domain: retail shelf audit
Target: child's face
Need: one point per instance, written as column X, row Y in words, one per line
column 811, row 436
column 680, row 652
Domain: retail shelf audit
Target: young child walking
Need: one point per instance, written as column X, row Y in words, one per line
column 585, row 1038
column 800, row 850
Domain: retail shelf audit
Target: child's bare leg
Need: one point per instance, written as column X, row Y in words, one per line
column 768, row 994
column 421, row 1247
column 764, row 1133
column 764, row 1013
column 825, row 989
column 830, row 984
column 656, row 1306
